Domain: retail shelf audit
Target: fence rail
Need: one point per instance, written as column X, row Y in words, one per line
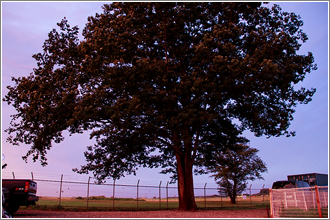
column 68, row 193
column 305, row 202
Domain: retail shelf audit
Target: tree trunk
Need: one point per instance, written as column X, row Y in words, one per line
column 234, row 194
column 233, row 199
column 185, row 182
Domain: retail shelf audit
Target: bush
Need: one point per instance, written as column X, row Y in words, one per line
column 98, row 198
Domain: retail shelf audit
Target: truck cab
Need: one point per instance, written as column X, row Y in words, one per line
column 22, row 192
column 286, row 184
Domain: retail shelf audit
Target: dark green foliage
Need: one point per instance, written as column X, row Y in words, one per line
column 234, row 167
column 163, row 84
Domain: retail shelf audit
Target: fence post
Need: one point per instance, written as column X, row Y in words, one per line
column 271, row 202
column 160, row 199
column 318, row 201
column 205, row 196
column 137, row 195
column 167, row 195
column 295, row 197
column 250, row 195
column 313, row 192
column 59, row 202
column 263, row 194
column 88, row 190
column 32, row 175
column 113, row 194
column 221, row 196
column 305, row 203
column 13, row 175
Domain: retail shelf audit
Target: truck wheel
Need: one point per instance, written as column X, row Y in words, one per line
column 6, row 215
column 12, row 208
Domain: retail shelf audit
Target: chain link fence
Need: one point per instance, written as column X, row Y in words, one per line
column 62, row 192
column 305, row 202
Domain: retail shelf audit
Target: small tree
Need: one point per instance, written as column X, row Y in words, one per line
column 234, row 167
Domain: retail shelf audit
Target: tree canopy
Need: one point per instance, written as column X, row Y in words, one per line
column 234, row 167
column 163, row 84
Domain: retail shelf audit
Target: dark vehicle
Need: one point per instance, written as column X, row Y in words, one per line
column 313, row 179
column 22, row 192
column 5, row 197
column 287, row 184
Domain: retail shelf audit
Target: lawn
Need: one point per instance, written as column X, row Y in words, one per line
column 125, row 204
column 299, row 213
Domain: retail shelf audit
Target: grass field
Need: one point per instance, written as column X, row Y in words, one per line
column 124, row 204
column 299, row 213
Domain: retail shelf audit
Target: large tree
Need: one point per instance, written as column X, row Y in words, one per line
column 163, row 84
column 234, row 167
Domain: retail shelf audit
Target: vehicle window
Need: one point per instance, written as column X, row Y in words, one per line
column 290, row 185
column 283, row 185
column 279, row 184
column 302, row 184
column 305, row 184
